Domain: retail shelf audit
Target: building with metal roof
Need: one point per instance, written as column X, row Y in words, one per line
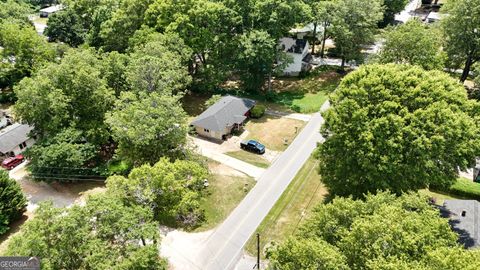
column 226, row 115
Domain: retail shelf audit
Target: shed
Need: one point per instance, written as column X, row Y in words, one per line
column 45, row 12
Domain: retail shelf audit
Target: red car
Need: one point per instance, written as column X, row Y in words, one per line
column 12, row 162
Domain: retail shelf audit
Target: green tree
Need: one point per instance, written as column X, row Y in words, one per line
column 122, row 24
column 212, row 100
column 14, row 11
column 23, row 52
column 153, row 67
column 307, row 254
column 71, row 93
column 114, row 70
column 172, row 190
column 256, row 61
column 148, row 127
column 397, row 127
column 12, row 201
column 381, row 232
column 103, row 234
column 392, row 7
column 462, row 34
column 413, row 43
column 354, row 24
column 322, row 17
column 66, row 26
column 60, row 155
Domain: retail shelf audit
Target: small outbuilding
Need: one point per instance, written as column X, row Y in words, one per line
column 45, row 12
column 15, row 138
column 464, row 218
column 223, row 117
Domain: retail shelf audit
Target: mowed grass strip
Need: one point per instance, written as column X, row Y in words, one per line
column 225, row 193
column 251, row 158
column 276, row 133
column 292, row 209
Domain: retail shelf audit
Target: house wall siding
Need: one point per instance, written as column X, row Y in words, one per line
column 17, row 149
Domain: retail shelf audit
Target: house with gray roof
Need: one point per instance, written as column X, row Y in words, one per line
column 223, row 117
column 464, row 218
column 15, row 138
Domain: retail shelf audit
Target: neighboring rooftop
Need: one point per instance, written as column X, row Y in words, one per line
column 226, row 112
column 12, row 136
column 465, row 220
column 292, row 45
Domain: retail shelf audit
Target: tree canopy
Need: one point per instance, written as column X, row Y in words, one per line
column 397, row 127
column 24, row 51
column 148, row 127
column 462, row 34
column 381, row 232
column 171, row 190
column 413, row 43
column 12, row 201
column 72, row 93
column 103, row 234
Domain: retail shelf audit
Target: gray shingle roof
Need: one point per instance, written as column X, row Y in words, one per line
column 12, row 136
column 226, row 112
column 468, row 226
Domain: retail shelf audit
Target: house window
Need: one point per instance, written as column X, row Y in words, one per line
column 22, row 145
column 206, row 130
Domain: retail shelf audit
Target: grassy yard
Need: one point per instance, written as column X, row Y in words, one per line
column 225, row 194
column 308, row 94
column 293, row 207
column 251, row 158
column 273, row 131
column 40, row 20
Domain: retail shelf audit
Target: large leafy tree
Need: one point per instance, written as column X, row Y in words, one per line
column 103, row 234
column 148, row 127
column 154, row 67
column 23, row 52
column 12, row 201
column 14, row 11
column 392, row 7
column 354, row 24
column 57, row 157
column 413, row 43
column 397, row 127
column 171, row 190
column 382, row 232
column 71, row 93
column 462, row 34
column 66, row 26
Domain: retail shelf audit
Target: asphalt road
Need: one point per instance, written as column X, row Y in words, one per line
column 224, row 247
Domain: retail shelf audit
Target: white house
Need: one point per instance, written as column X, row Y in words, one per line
column 15, row 138
column 45, row 12
column 298, row 51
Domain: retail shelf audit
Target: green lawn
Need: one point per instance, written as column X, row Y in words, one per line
column 292, row 209
column 251, row 158
column 225, row 193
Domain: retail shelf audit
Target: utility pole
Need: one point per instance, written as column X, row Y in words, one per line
column 258, row 251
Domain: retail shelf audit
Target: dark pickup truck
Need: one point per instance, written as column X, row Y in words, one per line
column 253, row 146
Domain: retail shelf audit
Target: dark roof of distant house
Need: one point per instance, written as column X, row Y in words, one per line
column 468, row 226
column 12, row 136
column 292, row 45
column 224, row 113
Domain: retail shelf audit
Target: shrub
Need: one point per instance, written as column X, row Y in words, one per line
column 257, row 111
column 12, row 201
column 462, row 187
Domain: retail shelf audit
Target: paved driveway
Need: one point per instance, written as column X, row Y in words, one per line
column 223, row 247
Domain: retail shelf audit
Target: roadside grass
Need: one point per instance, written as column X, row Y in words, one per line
column 276, row 133
column 292, row 209
column 225, row 193
column 251, row 158
column 463, row 187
